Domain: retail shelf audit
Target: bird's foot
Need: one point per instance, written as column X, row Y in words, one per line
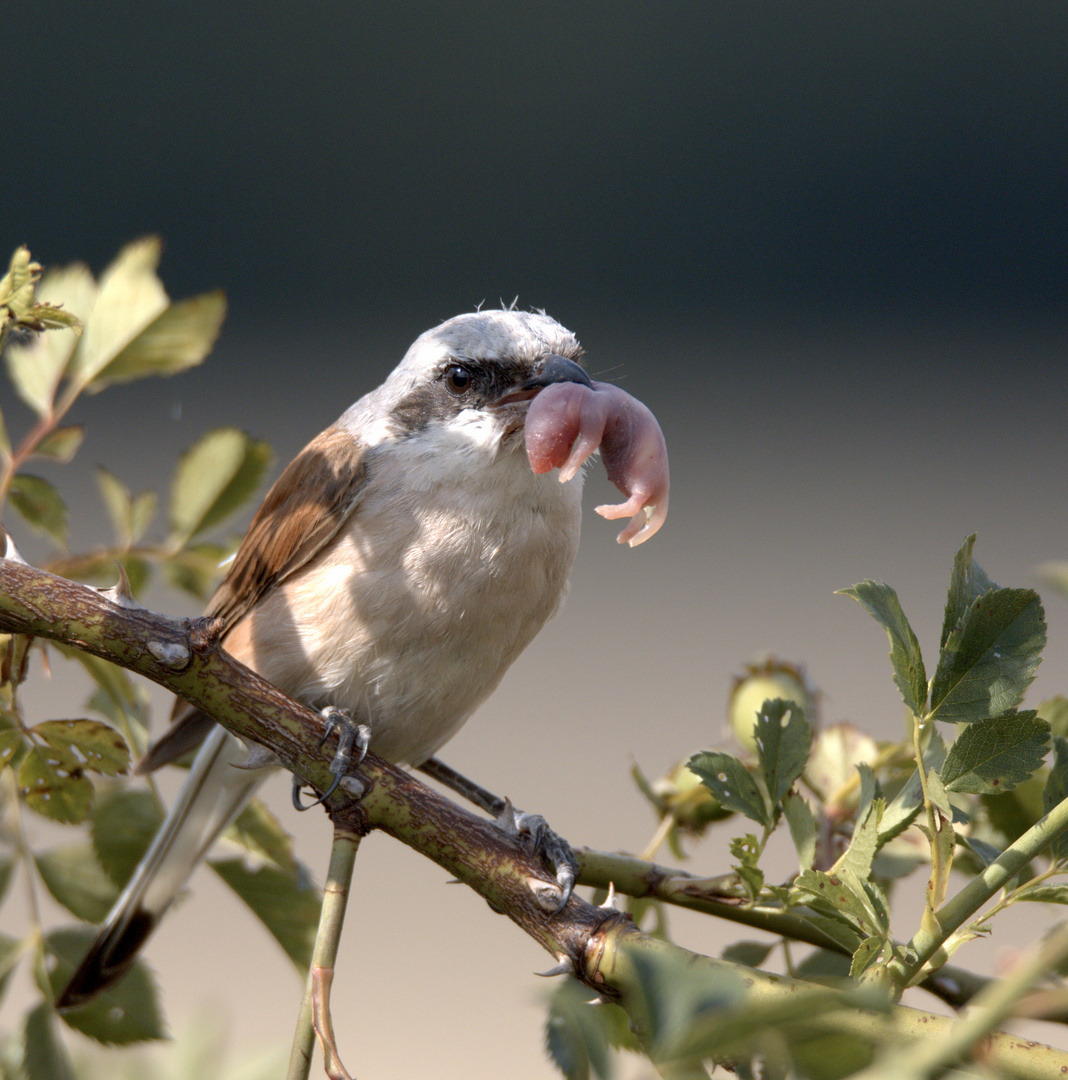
column 553, row 849
column 352, row 742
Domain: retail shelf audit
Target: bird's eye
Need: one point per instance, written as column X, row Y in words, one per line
column 457, row 379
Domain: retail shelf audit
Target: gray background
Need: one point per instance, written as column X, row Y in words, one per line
column 825, row 243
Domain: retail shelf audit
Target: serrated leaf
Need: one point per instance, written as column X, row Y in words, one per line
column 130, row 297
column 37, row 366
column 41, row 506
column 730, row 783
column 118, row 697
column 17, row 285
column 178, row 338
column 1056, row 791
column 76, row 880
column 996, row 755
column 287, row 904
column 1043, row 894
column 881, row 602
column 841, row 895
column 99, row 747
column 782, row 740
column 214, row 478
column 871, row 951
column 54, row 792
column 864, row 842
column 62, row 444
column 802, row 827
column 125, row 1013
column 45, row 1057
column 990, row 659
column 967, row 582
column 124, row 823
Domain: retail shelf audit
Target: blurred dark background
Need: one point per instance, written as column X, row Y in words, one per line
column 826, row 243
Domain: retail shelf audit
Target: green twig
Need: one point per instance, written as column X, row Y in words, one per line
column 314, row 1017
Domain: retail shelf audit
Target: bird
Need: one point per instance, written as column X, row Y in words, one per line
column 394, row 571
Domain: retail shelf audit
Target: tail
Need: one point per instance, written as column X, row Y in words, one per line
column 212, row 797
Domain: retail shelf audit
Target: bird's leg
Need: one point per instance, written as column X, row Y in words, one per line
column 352, row 740
column 314, row 1020
column 553, row 849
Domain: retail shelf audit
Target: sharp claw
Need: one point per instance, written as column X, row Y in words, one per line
column 349, row 735
column 552, row 848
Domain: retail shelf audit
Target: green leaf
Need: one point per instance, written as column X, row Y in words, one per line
column 286, row 903
column 1056, row 791
column 45, row 1056
column 844, row 896
column 870, row 952
column 261, row 834
column 41, row 506
column 1043, row 894
column 214, row 478
column 36, row 367
column 130, row 517
column 729, row 781
column 17, row 285
column 75, row 879
column 996, row 755
column 124, row 823
column 967, row 583
column 125, row 1013
column 802, row 827
column 118, row 697
column 864, row 843
column 130, row 297
column 746, row 850
column 750, row 953
column 989, row 660
column 62, row 444
column 782, row 742
column 579, row 1039
column 881, row 602
column 178, row 338
column 904, row 807
column 98, row 746
column 11, row 741
column 54, row 787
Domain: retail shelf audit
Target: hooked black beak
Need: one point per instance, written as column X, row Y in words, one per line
column 553, row 369
column 556, row 369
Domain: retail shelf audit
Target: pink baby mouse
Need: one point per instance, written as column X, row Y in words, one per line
column 568, row 421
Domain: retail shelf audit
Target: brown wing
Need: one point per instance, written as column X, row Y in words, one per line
column 302, row 512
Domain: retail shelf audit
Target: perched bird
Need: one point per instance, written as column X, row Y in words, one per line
column 395, row 570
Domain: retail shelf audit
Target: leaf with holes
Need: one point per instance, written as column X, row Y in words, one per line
column 729, row 781
column 98, row 746
column 51, row 783
column 782, row 742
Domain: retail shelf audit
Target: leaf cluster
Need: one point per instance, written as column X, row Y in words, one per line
column 69, row 335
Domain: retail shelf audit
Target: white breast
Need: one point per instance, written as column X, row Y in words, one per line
column 452, row 562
